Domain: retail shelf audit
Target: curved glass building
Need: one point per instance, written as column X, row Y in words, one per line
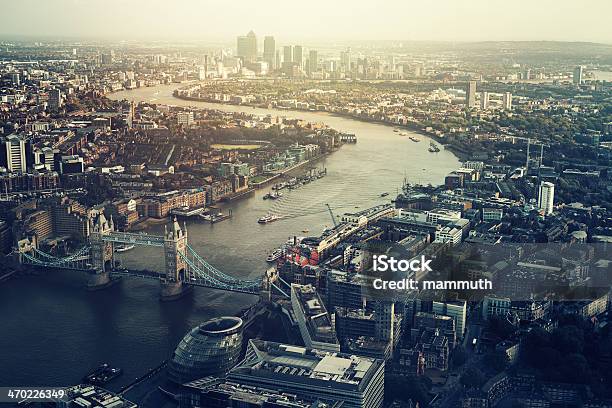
column 211, row 348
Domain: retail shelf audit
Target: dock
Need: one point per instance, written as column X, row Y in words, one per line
column 214, row 217
column 187, row 212
column 348, row 138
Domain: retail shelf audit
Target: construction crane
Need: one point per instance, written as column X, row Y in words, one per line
column 332, row 215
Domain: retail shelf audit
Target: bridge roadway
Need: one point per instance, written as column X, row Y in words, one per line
column 192, row 281
column 135, row 239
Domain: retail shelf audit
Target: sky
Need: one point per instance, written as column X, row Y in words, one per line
column 333, row 20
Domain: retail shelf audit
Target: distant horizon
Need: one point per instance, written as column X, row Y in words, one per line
column 230, row 41
column 453, row 21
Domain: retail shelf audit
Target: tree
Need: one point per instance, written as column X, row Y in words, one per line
column 459, row 357
column 568, row 339
column 472, row 378
column 501, row 327
column 408, row 388
column 497, row 361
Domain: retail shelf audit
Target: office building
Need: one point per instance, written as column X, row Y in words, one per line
column 55, row 99
column 269, row 53
column 217, row 392
column 312, row 374
column 278, row 62
column 314, row 322
column 345, row 60
column 385, row 320
column 247, row 47
column 470, row 95
column 546, row 197
column 445, row 324
column 71, row 164
column 578, row 75
column 456, row 310
column 210, row 349
column 15, row 79
column 287, row 55
column 298, row 56
column 14, row 154
column 492, row 214
column 313, row 61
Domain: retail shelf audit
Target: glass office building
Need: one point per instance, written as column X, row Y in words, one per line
column 210, row 349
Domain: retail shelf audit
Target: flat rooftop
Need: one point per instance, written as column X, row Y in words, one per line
column 275, row 360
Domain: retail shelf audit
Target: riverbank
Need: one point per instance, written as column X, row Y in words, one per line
column 147, row 223
column 416, row 128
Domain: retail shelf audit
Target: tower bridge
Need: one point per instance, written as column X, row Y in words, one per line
column 184, row 267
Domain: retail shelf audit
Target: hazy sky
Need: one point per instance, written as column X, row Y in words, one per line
column 459, row 20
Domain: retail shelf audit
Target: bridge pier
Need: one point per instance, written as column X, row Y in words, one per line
column 98, row 281
column 173, row 291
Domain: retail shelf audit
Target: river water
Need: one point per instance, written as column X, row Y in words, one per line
column 52, row 330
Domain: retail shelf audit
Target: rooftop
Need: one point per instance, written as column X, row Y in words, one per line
column 275, row 360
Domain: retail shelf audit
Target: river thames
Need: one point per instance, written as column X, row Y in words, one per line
column 54, row 331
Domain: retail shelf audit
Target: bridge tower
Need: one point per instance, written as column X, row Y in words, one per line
column 102, row 252
column 175, row 245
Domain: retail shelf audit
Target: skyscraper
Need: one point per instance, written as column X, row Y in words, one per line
column 345, row 60
column 546, row 197
column 507, row 101
column 470, row 94
column 277, row 60
column 14, row 154
column 313, row 61
column 15, row 79
column 287, row 55
column 298, row 55
column 484, row 100
column 578, row 75
column 269, row 52
column 246, row 47
column 55, row 99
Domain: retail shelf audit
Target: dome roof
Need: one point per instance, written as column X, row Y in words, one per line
column 210, row 349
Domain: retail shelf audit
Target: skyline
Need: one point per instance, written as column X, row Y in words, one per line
column 447, row 21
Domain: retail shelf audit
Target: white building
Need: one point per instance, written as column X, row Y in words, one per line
column 457, row 310
column 484, row 100
column 184, row 119
column 546, row 197
column 450, row 235
column 15, row 154
column 507, row 101
column 578, row 75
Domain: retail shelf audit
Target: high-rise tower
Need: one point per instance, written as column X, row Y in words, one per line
column 269, row 53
